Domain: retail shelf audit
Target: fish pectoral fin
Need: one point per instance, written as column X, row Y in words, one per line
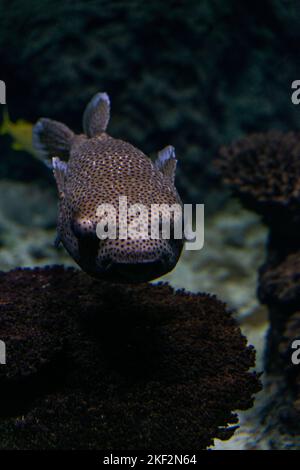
column 96, row 115
column 57, row 241
column 59, row 170
column 166, row 162
column 50, row 138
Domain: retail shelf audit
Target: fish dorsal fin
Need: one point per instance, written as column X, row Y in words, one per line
column 96, row 115
column 166, row 162
column 59, row 171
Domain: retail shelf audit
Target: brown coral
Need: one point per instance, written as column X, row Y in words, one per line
column 279, row 288
column 280, row 284
column 263, row 170
column 108, row 366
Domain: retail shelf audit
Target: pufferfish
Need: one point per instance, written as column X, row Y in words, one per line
column 94, row 168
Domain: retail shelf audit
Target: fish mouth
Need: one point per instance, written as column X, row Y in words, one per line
column 139, row 271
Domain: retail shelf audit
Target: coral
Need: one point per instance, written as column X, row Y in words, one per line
column 98, row 365
column 263, row 170
column 292, row 332
column 280, row 284
column 279, row 289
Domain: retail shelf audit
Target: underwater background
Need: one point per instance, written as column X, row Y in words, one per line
column 198, row 75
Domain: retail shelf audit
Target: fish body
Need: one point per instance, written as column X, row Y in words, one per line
column 95, row 170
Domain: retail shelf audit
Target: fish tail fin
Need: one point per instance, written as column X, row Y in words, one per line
column 96, row 115
column 51, row 139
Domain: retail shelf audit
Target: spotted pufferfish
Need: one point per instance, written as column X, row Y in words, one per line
column 94, row 168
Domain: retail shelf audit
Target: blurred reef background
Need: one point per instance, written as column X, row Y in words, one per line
column 194, row 74
column 197, row 75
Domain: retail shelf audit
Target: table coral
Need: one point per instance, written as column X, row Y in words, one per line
column 263, row 169
column 98, row 365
